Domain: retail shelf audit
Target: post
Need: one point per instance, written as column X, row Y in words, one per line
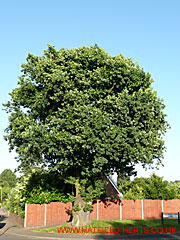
column 97, row 209
column 142, row 208
column 25, row 218
column 178, row 218
column 45, row 214
column 1, row 194
column 162, row 216
column 120, row 210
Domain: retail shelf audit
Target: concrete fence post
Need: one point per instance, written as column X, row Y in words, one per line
column 45, row 208
column 97, row 209
column 25, row 217
column 120, row 210
column 142, row 207
column 162, row 206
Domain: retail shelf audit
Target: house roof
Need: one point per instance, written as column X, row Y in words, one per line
column 113, row 184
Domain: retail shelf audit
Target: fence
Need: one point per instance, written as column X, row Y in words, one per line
column 58, row 213
column 47, row 214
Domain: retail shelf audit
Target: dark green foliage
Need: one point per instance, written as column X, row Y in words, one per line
column 8, row 178
column 148, row 188
column 76, row 207
column 45, row 187
column 87, row 208
column 38, row 187
column 92, row 189
column 123, row 182
column 176, row 187
column 81, row 112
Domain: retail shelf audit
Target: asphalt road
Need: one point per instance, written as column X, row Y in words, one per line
column 13, row 237
column 10, row 231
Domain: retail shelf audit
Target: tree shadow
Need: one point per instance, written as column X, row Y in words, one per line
column 125, row 230
column 7, row 229
column 2, row 218
column 69, row 213
column 2, row 225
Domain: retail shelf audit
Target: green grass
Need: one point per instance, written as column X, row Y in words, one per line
column 125, row 227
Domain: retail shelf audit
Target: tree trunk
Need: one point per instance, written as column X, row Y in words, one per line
column 80, row 218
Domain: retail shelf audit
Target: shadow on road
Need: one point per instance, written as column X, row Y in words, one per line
column 2, row 233
column 4, row 226
column 2, row 218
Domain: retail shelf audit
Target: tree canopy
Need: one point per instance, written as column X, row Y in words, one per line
column 8, row 178
column 82, row 112
column 153, row 187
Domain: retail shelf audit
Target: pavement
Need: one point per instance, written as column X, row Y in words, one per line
column 11, row 230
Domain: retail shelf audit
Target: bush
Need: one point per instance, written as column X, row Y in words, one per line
column 38, row 187
column 153, row 187
column 16, row 201
column 45, row 196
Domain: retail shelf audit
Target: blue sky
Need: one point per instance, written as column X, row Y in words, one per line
column 146, row 31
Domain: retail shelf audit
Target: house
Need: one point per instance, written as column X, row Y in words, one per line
column 112, row 189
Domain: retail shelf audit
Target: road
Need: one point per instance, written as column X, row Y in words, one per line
column 10, row 231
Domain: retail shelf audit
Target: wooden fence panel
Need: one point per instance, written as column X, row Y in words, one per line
column 131, row 209
column 152, row 209
column 57, row 213
column 93, row 213
column 109, row 210
column 35, row 215
column 171, row 206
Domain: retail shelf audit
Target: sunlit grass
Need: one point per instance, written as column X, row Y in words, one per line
column 122, row 227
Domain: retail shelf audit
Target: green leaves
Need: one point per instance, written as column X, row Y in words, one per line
column 148, row 188
column 82, row 110
column 8, row 178
column 46, row 196
column 39, row 186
